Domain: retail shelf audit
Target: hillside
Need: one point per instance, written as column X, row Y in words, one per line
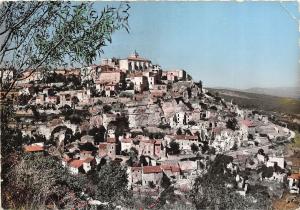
column 282, row 109
column 260, row 101
column 291, row 92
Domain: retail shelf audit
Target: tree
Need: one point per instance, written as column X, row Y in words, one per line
column 107, row 108
column 45, row 34
column 232, row 124
column 174, row 148
column 112, row 183
column 210, row 191
column 192, row 122
column 165, row 181
column 143, row 160
column 179, row 131
column 194, row 148
column 38, row 180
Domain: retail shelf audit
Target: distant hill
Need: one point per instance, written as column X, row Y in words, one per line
column 291, row 92
column 261, row 101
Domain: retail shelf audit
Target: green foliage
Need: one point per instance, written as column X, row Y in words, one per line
column 165, row 181
column 266, row 171
column 37, row 180
column 210, row 191
column 164, row 126
column 45, row 34
column 194, row 148
column 112, row 183
column 232, row 124
column 174, row 148
column 107, row 108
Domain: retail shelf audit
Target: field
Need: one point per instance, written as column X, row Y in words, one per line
column 282, row 110
column 261, row 101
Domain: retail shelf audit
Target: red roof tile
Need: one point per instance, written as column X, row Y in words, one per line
column 171, row 167
column 136, row 168
column 295, row 176
column 76, row 163
column 247, row 123
column 151, row 169
column 111, row 140
column 128, row 140
column 33, row 148
column 88, row 160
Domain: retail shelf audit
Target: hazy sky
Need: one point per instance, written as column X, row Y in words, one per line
column 238, row 45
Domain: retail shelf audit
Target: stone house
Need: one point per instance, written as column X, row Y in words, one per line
column 172, row 170
column 108, row 148
column 40, row 99
column 65, row 99
column 275, row 160
column 109, row 89
column 52, row 99
column 90, row 72
column 152, row 78
column 75, row 166
column 126, row 144
column 175, row 75
column 146, row 147
column 188, row 169
column 184, row 141
column 179, row 119
column 134, row 175
column 107, row 118
column 110, row 76
column 139, row 81
column 294, row 183
column 134, row 63
column 151, row 174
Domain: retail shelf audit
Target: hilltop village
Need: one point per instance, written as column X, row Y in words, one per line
column 158, row 123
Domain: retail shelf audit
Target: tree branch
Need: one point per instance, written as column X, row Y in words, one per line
column 33, row 68
column 14, row 27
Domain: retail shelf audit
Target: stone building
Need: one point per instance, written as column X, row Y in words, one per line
column 134, row 63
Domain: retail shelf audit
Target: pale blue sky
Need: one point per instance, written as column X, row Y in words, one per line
column 237, row 45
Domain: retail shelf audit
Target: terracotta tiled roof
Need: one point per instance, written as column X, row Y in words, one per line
column 295, row 176
column 137, row 59
column 135, row 74
column 151, row 169
column 136, row 168
column 171, row 167
column 157, row 142
column 88, row 160
column 247, row 123
column 76, row 163
column 33, row 148
column 128, row 140
column 111, row 140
